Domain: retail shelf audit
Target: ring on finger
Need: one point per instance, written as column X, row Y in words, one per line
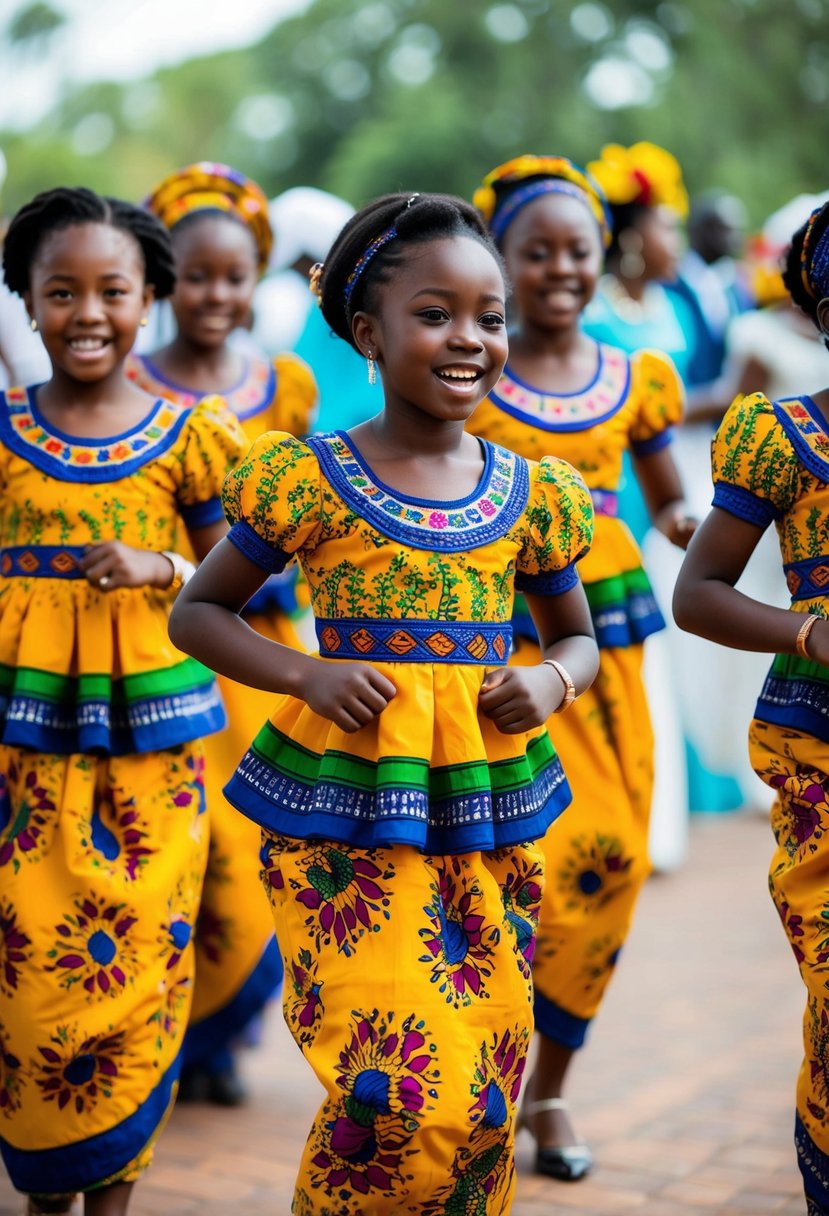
column 103, row 581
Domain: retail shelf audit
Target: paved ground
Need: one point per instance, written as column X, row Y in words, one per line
column 685, row 1092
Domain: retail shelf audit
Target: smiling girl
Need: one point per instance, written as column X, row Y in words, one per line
column 218, row 223
column 564, row 393
column 405, row 767
column 102, row 834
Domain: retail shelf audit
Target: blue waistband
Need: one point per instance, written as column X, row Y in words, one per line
column 42, row 561
column 475, row 642
column 809, row 578
column 605, row 502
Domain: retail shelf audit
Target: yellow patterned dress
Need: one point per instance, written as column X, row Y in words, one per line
column 103, row 840
column 238, row 966
column 771, row 465
column 597, row 857
column 404, row 891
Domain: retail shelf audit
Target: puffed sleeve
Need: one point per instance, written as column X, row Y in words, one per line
column 754, row 465
column 213, row 444
column 660, row 401
column 558, row 524
column 297, row 396
column 272, row 501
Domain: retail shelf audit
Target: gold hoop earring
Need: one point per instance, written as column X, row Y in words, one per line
column 33, row 325
column 372, row 369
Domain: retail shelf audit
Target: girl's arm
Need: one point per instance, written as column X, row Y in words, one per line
column 661, row 486
column 121, row 565
column 205, row 623
column 707, row 602
column 519, row 698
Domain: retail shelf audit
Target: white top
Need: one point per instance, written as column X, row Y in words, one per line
column 795, row 356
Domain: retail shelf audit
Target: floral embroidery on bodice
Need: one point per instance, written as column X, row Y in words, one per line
column 606, row 393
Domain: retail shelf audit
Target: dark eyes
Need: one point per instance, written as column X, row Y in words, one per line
column 490, row 320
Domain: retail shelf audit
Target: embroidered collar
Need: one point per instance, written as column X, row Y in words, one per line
column 806, row 427
column 604, row 396
column 252, row 394
column 466, row 523
column 71, row 458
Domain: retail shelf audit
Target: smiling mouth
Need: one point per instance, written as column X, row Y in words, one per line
column 87, row 344
column 459, row 375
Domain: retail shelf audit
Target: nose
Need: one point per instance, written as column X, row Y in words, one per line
column 90, row 308
column 465, row 336
column 218, row 291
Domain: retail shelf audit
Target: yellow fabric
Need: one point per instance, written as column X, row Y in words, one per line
column 102, row 864
column 596, row 853
column 654, row 403
column 68, row 626
column 642, row 173
column 420, row 1049
column 234, row 924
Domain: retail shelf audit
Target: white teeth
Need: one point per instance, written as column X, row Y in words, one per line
column 87, row 343
column 458, row 375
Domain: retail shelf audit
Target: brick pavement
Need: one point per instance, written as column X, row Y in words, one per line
column 685, row 1092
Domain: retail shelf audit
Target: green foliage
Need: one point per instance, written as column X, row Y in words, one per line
column 365, row 96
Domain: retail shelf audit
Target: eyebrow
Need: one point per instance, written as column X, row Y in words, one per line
column 488, row 297
column 70, row 278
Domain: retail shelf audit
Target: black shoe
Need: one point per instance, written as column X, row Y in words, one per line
column 194, row 1085
column 567, row 1163
column 226, row 1089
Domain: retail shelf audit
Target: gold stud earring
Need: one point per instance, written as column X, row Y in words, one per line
column 143, row 321
column 33, row 325
column 372, row 369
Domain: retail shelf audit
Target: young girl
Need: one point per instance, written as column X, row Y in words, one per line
column 566, row 394
column 218, row 222
column 771, row 463
column 102, row 837
column 405, row 768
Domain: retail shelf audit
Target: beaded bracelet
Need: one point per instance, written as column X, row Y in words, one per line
column 567, row 681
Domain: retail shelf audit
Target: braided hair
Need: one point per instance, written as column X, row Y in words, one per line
column 64, row 207
column 807, row 295
column 415, row 220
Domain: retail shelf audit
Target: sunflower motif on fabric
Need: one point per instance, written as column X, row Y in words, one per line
column 303, row 998
column 484, row 1168
column 521, row 893
column 14, row 949
column 176, row 929
column 11, row 1076
column 24, row 833
column 458, row 942
column 801, row 816
column 387, row 1074
column 600, row 956
column 594, row 872
column 78, row 1071
column 346, row 892
column 116, row 839
column 190, row 793
column 95, row 947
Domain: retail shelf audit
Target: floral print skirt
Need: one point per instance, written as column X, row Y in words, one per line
column 101, row 866
column 795, row 765
column 408, row 988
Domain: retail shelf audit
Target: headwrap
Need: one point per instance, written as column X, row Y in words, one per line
column 643, row 173
column 208, row 186
column 814, row 259
column 553, row 175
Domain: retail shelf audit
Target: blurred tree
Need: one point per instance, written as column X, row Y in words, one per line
column 33, row 25
column 363, row 96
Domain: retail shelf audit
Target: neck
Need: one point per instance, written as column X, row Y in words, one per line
column 635, row 288
column 195, row 362
column 534, row 342
column 407, row 432
column 65, row 393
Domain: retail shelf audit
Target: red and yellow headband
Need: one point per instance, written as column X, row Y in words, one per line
column 550, row 174
column 208, row 186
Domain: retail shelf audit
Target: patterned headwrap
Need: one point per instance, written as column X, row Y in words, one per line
column 643, row 173
column 814, row 259
column 208, row 186
column 553, row 175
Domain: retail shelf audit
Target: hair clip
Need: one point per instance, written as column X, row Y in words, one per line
column 411, row 200
column 315, row 281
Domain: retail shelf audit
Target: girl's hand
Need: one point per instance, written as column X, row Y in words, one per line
column 349, row 694
column 519, row 698
column 114, row 564
column 675, row 523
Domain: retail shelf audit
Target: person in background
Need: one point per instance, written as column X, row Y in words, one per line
column 564, row 394
column 23, row 359
column 405, row 772
column 103, row 837
column 305, row 221
column 771, row 465
column 218, row 221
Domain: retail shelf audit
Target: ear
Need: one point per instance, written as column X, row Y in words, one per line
column 365, row 331
column 822, row 314
column 148, row 296
column 27, row 300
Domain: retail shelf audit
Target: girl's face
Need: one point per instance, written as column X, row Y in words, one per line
column 554, row 257
column 216, row 275
column 661, row 234
column 438, row 333
column 88, row 295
